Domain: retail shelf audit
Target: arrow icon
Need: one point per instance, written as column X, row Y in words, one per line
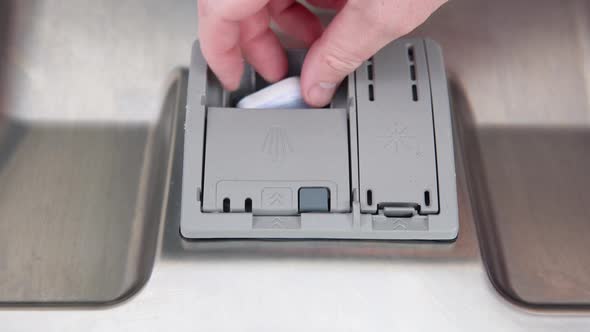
column 276, row 199
column 277, row 223
column 400, row 224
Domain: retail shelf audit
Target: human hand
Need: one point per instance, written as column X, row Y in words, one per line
column 232, row 31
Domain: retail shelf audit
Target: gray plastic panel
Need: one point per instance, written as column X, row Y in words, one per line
column 260, row 159
column 267, row 155
column 397, row 160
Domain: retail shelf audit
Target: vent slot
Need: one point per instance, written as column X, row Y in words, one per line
column 412, row 69
column 427, row 198
column 248, row 205
column 371, row 78
column 411, row 53
column 226, row 205
column 369, row 197
column 370, row 72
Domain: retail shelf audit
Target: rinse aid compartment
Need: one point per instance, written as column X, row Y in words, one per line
column 377, row 164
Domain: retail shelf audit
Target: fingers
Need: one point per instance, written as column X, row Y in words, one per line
column 262, row 48
column 233, row 29
column 234, row 10
column 296, row 20
column 328, row 4
column 359, row 30
column 219, row 34
column 220, row 46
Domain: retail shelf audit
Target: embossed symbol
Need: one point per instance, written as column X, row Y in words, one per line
column 276, row 144
column 400, row 224
column 275, row 199
column 399, row 139
column 277, row 223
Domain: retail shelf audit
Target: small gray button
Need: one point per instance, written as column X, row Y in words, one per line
column 314, row 200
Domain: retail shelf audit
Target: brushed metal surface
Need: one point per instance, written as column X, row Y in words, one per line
column 67, row 238
column 95, row 61
column 80, row 208
column 504, row 58
column 530, row 193
column 526, row 124
column 542, row 222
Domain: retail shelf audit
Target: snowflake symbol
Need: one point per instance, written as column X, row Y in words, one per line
column 398, row 139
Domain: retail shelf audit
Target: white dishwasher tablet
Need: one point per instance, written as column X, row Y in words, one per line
column 281, row 95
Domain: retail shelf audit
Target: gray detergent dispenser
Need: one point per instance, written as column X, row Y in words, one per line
column 377, row 164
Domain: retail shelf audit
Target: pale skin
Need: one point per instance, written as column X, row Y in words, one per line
column 234, row 31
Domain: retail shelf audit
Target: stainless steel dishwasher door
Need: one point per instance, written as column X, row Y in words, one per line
column 90, row 143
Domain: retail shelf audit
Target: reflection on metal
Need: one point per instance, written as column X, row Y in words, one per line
column 80, row 208
column 530, row 193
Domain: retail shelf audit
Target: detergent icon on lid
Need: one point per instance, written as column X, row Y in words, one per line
column 276, row 144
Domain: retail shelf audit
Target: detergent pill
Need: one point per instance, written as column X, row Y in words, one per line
column 284, row 94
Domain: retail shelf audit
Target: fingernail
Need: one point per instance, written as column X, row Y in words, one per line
column 321, row 93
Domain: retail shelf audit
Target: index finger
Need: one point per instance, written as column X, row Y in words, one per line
column 219, row 34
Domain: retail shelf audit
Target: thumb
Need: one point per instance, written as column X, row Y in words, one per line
column 359, row 30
